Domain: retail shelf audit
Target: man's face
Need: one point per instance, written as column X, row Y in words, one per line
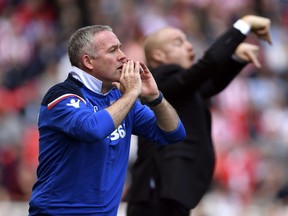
column 177, row 49
column 107, row 65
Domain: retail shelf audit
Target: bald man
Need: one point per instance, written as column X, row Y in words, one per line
column 171, row 181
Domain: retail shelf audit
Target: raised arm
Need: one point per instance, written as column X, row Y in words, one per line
column 130, row 87
column 167, row 118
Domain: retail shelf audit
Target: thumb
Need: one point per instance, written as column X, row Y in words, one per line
column 116, row 84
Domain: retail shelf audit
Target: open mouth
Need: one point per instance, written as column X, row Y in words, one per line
column 192, row 57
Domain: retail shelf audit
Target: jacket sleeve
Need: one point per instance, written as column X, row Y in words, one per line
column 145, row 125
column 64, row 109
column 71, row 116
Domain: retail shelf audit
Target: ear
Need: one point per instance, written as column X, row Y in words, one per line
column 158, row 55
column 86, row 61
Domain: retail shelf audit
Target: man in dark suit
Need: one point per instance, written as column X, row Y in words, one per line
column 171, row 181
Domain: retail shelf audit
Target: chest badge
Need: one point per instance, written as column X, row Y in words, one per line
column 74, row 103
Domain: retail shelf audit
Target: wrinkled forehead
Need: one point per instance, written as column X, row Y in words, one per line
column 106, row 39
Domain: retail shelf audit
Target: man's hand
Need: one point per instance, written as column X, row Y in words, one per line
column 149, row 90
column 260, row 26
column 130, row 86
column 130, row 79
column 248, row 53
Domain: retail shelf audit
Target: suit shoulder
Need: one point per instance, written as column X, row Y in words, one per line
column 166, row 70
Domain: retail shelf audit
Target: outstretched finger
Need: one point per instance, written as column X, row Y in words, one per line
column 253, row 58
column 269, row 39
column 264, row 34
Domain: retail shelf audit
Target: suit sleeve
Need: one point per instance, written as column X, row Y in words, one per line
column 223, row 48
column 218, row 82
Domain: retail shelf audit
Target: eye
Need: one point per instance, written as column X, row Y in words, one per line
column 178, row 42
column 112, row 50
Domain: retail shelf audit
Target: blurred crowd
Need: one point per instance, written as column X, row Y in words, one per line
column 250, row 118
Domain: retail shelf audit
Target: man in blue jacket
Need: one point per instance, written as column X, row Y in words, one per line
column 86, row 122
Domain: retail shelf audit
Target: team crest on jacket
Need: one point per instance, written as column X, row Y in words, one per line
column 74, row 103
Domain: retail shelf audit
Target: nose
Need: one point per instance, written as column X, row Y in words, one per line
column 122, row 57
column 189, row 46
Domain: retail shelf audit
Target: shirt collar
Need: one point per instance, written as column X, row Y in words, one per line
column 88, row 80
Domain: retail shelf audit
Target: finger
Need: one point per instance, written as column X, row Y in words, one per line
column 269, row 39
column 264, row 34
column 263, row 30
column 253, row 58
column 124, row 69
column 129, row 67
column 132, row 66
column 141, row 70
column 266, row 38
column 137, row 67
column 143, row 65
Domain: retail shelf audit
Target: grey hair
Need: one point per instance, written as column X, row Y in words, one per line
column 81, row 42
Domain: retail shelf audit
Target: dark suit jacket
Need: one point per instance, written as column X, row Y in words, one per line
column 183, row 171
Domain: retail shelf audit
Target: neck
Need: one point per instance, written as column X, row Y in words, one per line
column 106, row 88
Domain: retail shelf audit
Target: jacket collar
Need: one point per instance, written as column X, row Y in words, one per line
column 88, row 80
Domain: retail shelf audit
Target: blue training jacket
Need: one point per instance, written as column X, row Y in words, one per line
column 82, row 158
